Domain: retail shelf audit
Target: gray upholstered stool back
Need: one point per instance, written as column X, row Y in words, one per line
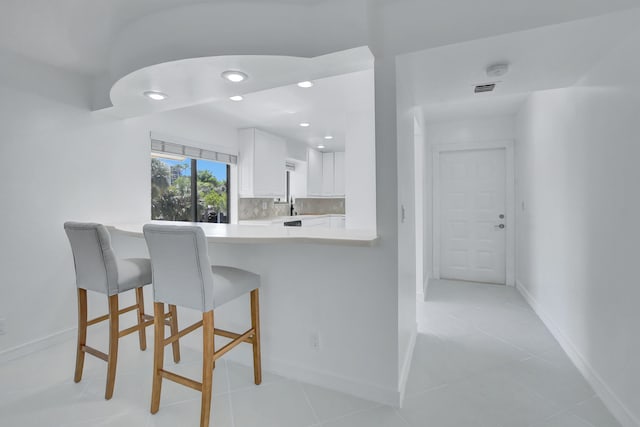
column 93, row 257
column 180, row 265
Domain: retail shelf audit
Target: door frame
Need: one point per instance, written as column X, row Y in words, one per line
column 510, row 241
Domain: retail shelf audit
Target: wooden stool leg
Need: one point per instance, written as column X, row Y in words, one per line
column 158, row 355
column 174, row 331
column 114, row 332
column 82, row 333
column 207, row 367
column 142, row 331
column 255, row 324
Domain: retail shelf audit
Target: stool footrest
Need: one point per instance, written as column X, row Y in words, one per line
column 182, row 333
column 232, row 335
column 96, row 353
column 241, row 338
column 106, row 316
column 135, row 328
column 181, row 380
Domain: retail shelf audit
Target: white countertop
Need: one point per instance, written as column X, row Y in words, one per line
column 231, row 233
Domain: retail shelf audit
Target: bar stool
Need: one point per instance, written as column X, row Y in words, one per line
column 183, row 276
column 99, row 270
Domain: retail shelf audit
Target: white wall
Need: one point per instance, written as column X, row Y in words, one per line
column 467, row 131
column 578, row 208
column 406, row 200
column 61, row 162
column 360, row 173
column 420, row 171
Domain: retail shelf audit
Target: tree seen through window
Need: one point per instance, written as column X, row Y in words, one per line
column 171, row 190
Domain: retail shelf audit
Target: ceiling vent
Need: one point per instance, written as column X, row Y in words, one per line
column 485, row 88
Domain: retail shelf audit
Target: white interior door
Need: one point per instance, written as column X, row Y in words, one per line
column 472, row 197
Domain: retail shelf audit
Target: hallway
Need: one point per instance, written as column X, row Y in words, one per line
column 483, row 358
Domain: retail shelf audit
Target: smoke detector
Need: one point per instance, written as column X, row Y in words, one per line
column 498, row 69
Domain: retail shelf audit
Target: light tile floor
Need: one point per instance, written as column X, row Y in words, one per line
column 482, row 358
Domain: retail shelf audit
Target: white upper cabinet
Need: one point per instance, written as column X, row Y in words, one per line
column 298, row 183
column 314, row 173
column 338, row 173
column 326, row 174
column 261, row 164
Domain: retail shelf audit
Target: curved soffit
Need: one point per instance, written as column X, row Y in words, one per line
column 197, row 81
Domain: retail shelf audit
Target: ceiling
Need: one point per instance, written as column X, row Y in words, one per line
column 343, row 85
column 449, row 44
column 327, row 106
column 413, row 25
column 77, row 34
column 441, row 80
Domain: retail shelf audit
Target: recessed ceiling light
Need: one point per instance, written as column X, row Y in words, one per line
column 328, row 137
column 234, row 76
column 321, row 146
column 155, row 95
column 305, row 124
column 305, row 84
column 236, row 98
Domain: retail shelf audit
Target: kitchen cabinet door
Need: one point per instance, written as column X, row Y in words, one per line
column 245, row 162
column 261, row 164
column 338, row 173
column 327, row 174
column 314, row 173
column 269, row 165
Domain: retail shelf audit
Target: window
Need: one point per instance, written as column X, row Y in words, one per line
column 187, row 188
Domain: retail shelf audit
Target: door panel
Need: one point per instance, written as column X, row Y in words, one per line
column 472, row 198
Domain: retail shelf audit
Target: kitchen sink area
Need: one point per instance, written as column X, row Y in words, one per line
column 322, row 220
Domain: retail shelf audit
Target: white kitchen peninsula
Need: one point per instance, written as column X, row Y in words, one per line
column 317, row 285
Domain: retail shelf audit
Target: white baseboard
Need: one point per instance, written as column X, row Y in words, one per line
column 608, row 397
column 406, row 365
column 36, row 345
column 320, row 378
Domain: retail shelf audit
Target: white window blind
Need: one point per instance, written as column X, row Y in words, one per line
column 160, row 146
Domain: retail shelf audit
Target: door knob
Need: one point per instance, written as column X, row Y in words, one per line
column 499, row 226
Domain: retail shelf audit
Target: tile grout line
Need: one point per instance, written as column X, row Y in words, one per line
column 313, row 410
column 226, row 369
column 397, row 412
